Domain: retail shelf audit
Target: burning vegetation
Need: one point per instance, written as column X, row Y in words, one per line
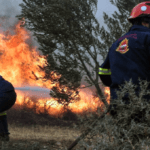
column 22, row 65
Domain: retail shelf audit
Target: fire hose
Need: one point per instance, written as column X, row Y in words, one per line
column 82, row 136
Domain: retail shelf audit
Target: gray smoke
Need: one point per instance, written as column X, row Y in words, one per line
column 9, row 9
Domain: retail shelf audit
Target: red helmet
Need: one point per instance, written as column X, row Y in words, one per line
column 140, row 10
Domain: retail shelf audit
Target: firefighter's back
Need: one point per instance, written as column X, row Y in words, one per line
column 129, row 57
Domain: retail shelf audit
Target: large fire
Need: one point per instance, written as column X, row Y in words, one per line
column 20, row 66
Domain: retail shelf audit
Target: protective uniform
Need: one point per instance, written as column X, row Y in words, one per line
column 7, row 100
column 129, row 56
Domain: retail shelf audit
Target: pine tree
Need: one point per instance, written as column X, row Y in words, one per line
column 67, row 32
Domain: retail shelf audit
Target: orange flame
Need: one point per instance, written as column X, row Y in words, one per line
column 20, row 66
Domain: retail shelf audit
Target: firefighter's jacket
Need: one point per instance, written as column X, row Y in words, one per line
column 5, row 87
column 128, row 58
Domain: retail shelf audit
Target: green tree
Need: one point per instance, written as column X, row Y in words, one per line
column 67, row 32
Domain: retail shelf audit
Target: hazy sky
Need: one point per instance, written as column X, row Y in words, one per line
column 12, row 8
column 104, row 6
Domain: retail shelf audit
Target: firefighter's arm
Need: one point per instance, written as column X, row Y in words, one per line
column 105, row 72
column 148, row 47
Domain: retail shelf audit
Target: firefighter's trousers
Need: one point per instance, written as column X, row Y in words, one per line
column 6, row 102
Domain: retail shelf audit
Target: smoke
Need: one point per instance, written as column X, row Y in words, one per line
column 10, row 7
column 9, row 10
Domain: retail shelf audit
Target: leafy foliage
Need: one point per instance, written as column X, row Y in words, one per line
column 129, row 128
column 67, row 32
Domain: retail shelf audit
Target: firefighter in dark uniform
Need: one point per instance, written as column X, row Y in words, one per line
column 129, row 57
column 7, row 100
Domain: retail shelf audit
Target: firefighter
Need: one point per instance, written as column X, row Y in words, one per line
column 7, row 100
column 129, row 56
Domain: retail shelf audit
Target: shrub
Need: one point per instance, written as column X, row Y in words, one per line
column 129, row 128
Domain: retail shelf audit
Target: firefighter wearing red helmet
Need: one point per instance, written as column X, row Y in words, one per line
column 129, row 56
column 141, row 12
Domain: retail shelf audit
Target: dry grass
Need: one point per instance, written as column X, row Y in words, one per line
column 39, row 137
column 31, row 131
column 43, row 133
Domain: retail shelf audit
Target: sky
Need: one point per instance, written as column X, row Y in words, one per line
column 104, row 6
column 12, row 8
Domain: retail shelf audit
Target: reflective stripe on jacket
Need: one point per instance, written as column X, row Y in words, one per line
column 103, row 71
column 105, row 75
column 3, row 113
